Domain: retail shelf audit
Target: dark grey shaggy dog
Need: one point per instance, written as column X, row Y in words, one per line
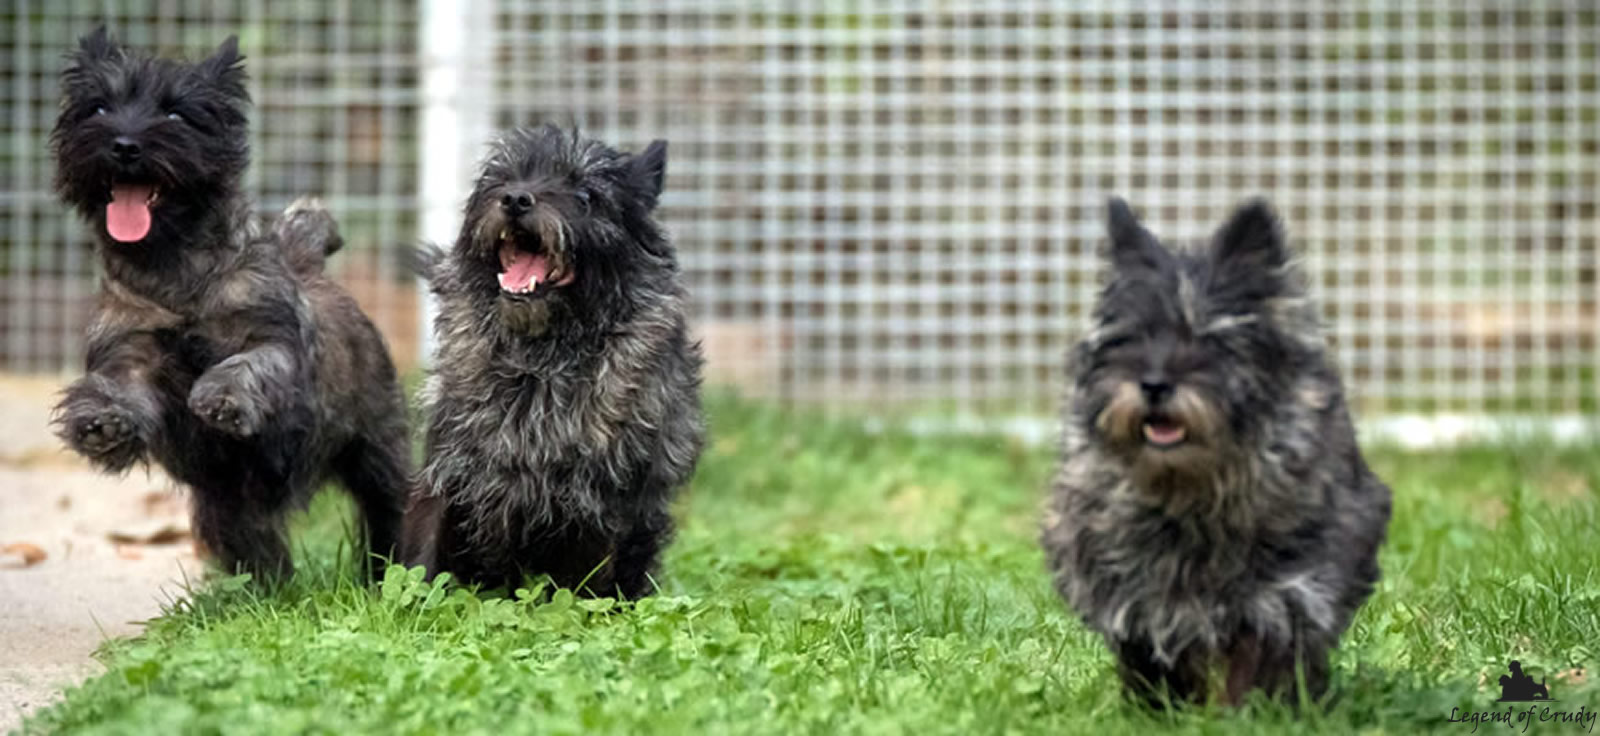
column 218, row 348
column 564, row 409
column 1212, row 516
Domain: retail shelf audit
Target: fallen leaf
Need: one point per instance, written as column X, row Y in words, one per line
column 1562, row 486
column 156, row 532
column 31, row 554
column 157, row 503
column 1490, row 511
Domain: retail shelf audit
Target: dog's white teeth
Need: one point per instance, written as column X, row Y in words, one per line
column 505, row 234
column 533, row 283
column 155, row 194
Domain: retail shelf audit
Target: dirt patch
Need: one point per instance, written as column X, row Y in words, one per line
column 1561, row 487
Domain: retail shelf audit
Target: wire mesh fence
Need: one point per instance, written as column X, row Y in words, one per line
column 901, row 202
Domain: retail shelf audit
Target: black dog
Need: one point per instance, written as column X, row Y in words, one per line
column 218, row 348
column 564, row 411
column 1212, row 517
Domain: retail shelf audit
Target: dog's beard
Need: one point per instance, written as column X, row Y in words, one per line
column 525, row 317
column 1179, row 453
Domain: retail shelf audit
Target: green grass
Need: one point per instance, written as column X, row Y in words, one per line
column 831, row 580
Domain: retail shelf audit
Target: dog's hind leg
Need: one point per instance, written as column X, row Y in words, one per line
column 377, row 473
column 242, row 536
column 422, row 531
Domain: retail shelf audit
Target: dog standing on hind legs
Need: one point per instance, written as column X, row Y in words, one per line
column 218, row 348
column 1212, row 516
column 564, row 410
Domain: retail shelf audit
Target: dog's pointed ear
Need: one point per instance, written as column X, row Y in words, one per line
column 1251, row 241
column 97, row 46
column 226, row 66
column 1132, row 246
column 647, row 171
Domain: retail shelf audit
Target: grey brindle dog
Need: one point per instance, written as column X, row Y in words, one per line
column 218, row 348
column 564, row 410
column 1212, row 516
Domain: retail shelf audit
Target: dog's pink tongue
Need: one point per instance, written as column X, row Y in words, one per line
column 128, row 215
column 524, row 272
column 1164, row 433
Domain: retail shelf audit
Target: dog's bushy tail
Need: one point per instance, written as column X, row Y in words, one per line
column 425, row 260
column 308, row 234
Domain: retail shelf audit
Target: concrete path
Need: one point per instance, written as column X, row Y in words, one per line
column 56, row 611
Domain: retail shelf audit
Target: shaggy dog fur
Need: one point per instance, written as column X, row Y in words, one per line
column 1212, row 516
column 564, row 410
column 218, row 348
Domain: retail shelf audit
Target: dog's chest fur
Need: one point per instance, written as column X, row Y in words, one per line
column 207, row 303
column 1136, row 572
column 555, row 434
column 535, row 422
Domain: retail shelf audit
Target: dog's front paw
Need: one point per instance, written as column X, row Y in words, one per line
column 105, row 434
column 224, row 407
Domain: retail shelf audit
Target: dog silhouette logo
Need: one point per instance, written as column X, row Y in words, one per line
column 1518, row 687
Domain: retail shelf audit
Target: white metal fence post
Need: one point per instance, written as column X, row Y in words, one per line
column 456, row 44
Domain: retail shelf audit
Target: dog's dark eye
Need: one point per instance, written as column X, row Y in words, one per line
column 1113, row 343
column 100, row 111
column 174, row 116
column 583, row 197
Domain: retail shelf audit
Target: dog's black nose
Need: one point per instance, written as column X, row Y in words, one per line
column 516, row 202
column 125, row 149
column 1155, row 388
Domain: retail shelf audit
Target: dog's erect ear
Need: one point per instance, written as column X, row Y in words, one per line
column 647, row 172
column 1251, row 241
column 1132, row 246
column 97, row 46
column 226, row 66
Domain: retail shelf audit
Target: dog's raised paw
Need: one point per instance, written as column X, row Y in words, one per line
column 105, row 436
column 100, row 433
column 222, row 411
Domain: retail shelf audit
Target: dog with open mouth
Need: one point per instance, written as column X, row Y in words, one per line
column 218, row 348
column 1212, row 516
column 564, row 408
